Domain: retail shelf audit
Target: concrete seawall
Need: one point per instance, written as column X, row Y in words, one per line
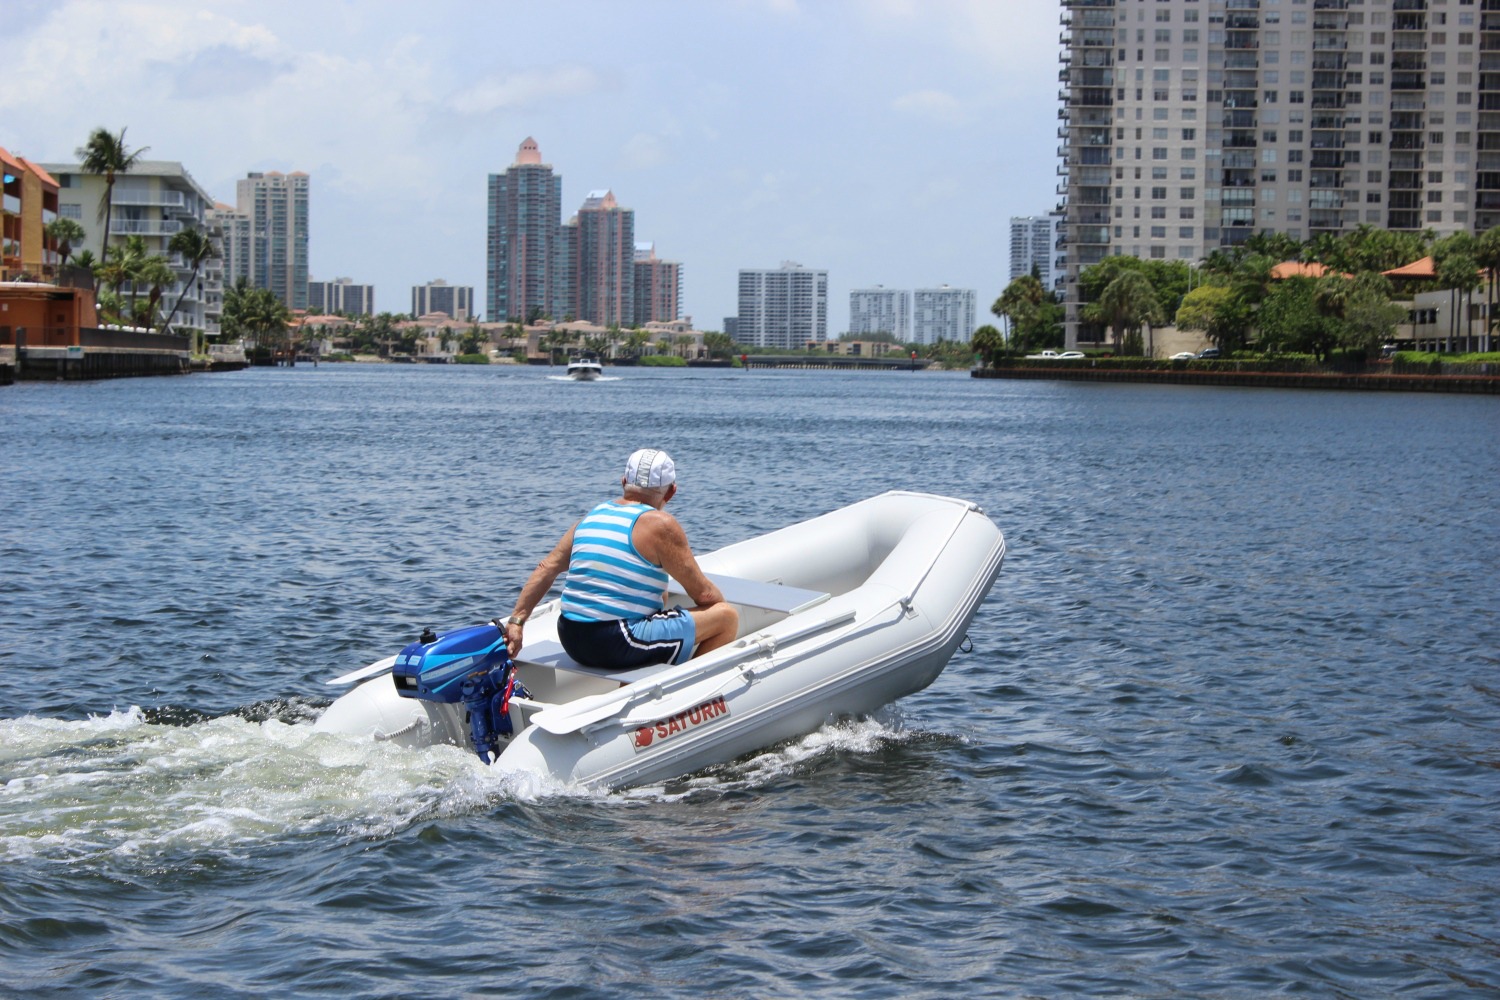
column 1482, row 384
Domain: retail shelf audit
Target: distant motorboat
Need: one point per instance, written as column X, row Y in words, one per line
column 227, row 357
column 584, row 368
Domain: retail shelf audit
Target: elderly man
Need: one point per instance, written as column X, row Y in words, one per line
column 618, row 558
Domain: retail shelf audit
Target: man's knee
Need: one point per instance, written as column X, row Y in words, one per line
column 717, row 619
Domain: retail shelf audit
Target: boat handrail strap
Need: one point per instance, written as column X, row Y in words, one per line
column 911, row 594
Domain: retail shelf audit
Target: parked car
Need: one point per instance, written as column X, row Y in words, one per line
column 1041, row 356
column 1184, row 356
column 1209, row 352
column 1070, row 356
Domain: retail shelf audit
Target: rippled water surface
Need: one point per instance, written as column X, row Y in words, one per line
column 1229, row 726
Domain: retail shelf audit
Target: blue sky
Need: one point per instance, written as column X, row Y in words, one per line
column 888, row 141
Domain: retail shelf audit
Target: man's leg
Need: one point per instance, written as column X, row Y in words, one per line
column 716, row 625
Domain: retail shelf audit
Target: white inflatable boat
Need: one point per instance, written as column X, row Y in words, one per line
column 839, row 615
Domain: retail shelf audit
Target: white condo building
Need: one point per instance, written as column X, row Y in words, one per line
column 1187, row 126
column 942, row 314
column 277, row 206
column 155, row 200
column 786, row 307
column 1033, row 244
column 880, row 310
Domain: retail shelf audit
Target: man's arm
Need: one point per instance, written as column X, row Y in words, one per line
column 660, row 538
column 537, row 584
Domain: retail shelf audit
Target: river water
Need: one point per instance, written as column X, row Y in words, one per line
column 1229, row 726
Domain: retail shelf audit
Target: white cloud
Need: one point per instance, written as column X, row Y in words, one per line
column 644, row 150
column 934, row 105
column 523, row 90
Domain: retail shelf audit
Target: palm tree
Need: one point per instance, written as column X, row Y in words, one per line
column 107, row 154
column 196, row 249
column 65, row 233
column 636, row 340
column 1487, row 254
column 1126, row 303
column 157, row 275
column 555, row 338
column 130, row 258
column 1458, row 266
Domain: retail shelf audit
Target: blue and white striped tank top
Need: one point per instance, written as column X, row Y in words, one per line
column 607, row 577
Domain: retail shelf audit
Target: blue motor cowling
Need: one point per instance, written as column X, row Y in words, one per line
column 435, row 670
column 469, row 665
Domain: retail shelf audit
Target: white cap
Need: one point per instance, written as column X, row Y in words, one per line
column 650, row 469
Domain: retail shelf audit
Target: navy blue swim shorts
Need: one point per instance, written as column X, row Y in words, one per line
column 617, row 644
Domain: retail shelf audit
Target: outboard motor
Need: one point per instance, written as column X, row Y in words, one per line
column 469, row 665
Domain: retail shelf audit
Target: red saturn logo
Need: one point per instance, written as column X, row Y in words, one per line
column 665, row 729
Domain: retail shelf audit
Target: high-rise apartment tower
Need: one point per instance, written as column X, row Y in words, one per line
column 1033, row 243
column 1187, row 126
column 277, row 206
column 942, row 314
column 524, row 240
column 786, row 307
column 880, row 310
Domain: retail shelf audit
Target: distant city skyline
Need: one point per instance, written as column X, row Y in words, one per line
column 740, row 136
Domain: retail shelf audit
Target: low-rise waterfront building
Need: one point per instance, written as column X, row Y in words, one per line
column 28, row 204
column 155, row 200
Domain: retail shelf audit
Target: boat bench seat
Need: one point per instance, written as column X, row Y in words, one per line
column 757, row 594
column 750, row 593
